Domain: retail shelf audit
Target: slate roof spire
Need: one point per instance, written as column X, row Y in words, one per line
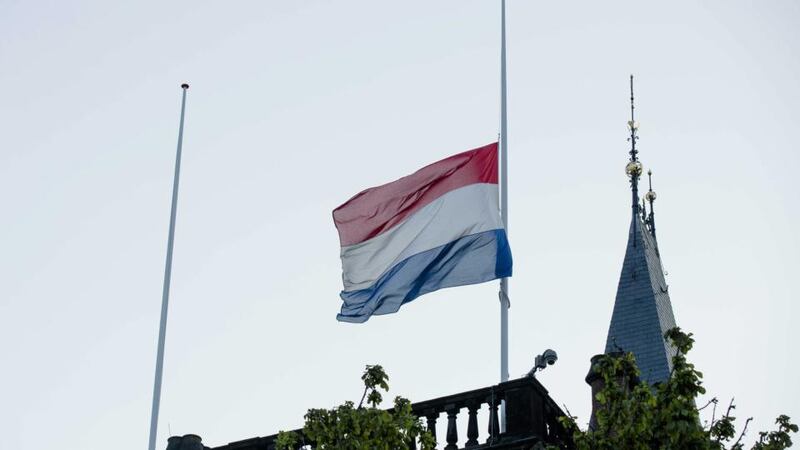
column 642, row 309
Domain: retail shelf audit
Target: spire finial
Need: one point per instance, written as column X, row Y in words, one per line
column 634, row 167
column 651, row 197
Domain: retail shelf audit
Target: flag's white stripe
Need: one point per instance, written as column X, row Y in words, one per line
column 460, row 212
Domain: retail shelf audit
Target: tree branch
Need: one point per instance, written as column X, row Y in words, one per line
column 713, row 400
column 730, row 407
column 744, row 430
column 713, row 412
column 366, row 388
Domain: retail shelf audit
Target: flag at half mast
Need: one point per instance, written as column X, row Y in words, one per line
column 436, row 228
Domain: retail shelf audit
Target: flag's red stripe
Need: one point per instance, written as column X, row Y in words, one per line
column 375, row 210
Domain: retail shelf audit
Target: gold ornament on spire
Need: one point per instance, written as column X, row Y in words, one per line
column 633, row 168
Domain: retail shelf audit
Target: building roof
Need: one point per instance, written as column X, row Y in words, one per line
column 643, row 310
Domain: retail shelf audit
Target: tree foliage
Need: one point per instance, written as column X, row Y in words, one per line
column 350, row 427
column 631, row 415
column 634, row 415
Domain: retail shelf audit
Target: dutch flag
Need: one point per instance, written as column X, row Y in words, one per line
column 439, row 227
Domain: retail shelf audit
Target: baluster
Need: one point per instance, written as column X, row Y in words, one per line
column 452, row 430
column 432, row 423
column 494, row 423
column 472, row 426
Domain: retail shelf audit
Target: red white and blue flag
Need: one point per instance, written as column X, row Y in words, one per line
column 436, row 228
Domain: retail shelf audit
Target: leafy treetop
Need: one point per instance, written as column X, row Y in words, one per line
column 634, row 415
column 347, row 427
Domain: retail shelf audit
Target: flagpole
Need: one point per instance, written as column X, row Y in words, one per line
column 162, row 330
column 504, row 302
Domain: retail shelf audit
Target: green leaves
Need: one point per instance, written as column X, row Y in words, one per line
column 779, row 439
column 287, row 440
column 630, row 414
column 634, row 415
column 374, row 377
column 347, row 427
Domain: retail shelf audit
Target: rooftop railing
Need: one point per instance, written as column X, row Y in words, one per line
column 531, row 418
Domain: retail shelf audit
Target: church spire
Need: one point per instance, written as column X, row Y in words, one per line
column 642, row 309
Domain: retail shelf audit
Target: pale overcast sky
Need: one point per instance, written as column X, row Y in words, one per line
column 295, row 106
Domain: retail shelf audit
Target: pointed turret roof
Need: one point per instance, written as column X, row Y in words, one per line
column 642, row 310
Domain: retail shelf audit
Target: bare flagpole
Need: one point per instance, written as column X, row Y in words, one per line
column 162, row 330
column 504, row 302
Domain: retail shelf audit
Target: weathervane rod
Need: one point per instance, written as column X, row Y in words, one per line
column 632, row 108
column 162, row 329
column 633, row 126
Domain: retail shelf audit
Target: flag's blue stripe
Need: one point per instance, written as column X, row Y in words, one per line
column 468, row 260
